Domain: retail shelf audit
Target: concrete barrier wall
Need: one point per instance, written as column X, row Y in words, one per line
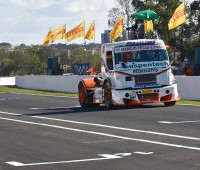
column 6, row 81
column 53, row 83
column 188, row 87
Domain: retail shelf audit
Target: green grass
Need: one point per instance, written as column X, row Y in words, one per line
column 196, row 102
column 14, row 89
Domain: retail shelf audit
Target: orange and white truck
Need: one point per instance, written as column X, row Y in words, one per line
column 133, row 72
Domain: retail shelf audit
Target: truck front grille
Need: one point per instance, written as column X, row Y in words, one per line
column 145, row 79
column 148, row 97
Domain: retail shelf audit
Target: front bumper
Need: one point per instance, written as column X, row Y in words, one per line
column 143, row 96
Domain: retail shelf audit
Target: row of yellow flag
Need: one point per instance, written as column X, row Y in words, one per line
column 78, row 31
column 118, row 27
column 178, row 18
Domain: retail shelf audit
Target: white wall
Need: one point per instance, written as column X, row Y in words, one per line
column 53, row 83
column 188, row 87
column 5, row 81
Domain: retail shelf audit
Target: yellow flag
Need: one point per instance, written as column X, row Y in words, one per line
column 118, row 28
column 148, row 25
column 59, row 33
column 46, row 41
column 178, row 18
column 91, row 31
column 78, row 31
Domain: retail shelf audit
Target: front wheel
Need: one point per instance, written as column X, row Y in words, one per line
column 83, row 96
column 172, row 103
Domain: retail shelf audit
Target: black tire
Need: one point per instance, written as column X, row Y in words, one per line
column 95, row 105
column 82, row 94
column 107, row 95
column 168, row 104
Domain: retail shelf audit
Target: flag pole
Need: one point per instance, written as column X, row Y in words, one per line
column 84, row 35
column 94, row 30
column 65, row 34
column 65, row 37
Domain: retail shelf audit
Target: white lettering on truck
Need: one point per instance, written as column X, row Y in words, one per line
column 148, row 65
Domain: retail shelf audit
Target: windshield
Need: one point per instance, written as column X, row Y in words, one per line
column 126, row 55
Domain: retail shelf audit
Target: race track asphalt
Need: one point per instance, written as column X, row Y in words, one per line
column 55, row 133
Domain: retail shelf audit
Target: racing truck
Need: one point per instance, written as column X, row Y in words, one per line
column 133, row 72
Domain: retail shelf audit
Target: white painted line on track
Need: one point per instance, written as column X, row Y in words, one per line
column 35, row 108
column 10, row 98
column 54, row 108
column 111, row 127
column 105, row 141
column 105, row 157
column 144, row 153
column 7, row 113
column 189, row 121
column 120, row 128
column 105, row 134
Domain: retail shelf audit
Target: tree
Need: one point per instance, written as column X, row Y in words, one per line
column 5, row 45
column 179, row 38
column 124, row 8
column 6, row 66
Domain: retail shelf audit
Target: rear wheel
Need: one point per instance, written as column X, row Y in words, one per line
column 108, row 95
column 83, row 96
column 170, row 103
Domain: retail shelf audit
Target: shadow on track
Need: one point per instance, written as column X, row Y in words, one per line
column 75, row 110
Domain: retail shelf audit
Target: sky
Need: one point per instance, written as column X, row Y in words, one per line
column 28, row 21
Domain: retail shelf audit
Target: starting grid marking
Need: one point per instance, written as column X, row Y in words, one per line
column 102, row 157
